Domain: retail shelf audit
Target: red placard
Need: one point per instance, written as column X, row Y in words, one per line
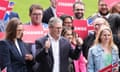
column 82, row 28
column 3, row 8
column 31, row 33
column 10, row 6
column 64, row 7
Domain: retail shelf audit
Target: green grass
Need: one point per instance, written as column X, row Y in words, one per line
column 90, row 7
column 22, row 7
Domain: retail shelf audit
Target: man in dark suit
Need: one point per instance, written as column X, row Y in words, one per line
column 50, row 12
column 54, row 50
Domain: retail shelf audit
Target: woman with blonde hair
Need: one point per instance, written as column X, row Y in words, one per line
column 104, row 52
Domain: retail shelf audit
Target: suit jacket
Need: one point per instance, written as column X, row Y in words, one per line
column 114, row 21
column 46, row 59
column 13, row 14
column 14, row 61
column 48, row 13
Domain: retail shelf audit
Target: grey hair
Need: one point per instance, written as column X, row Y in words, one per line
column 54, row 20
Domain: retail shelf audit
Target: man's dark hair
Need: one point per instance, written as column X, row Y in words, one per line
column 35, row 6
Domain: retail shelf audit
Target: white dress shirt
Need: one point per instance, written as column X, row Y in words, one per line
column 54, row 11
column 56, row 56
column 18, row 48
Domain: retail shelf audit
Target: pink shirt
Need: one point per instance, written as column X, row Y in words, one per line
column 80, row 64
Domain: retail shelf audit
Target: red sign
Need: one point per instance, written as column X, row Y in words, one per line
column 64, row 7
column 31, row 33
column 82, row 28
column 3, row 8
column 110, row 3
column 10, row 6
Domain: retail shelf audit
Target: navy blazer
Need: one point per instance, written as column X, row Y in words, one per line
column 13, row 14
column 12, row 59
column 48, row 13
column 46, row 59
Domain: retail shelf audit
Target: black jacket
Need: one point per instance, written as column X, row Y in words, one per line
column 46, row 60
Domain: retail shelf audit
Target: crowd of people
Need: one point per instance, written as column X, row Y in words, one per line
column 62, row 49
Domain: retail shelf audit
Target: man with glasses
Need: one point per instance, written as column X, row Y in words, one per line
column 103, row 11
column 36, row 15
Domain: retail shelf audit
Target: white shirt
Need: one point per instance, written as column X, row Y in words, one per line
column 33, row 49
column 56, row 56
column 54, row 11
column 107, row 16
column 18, row 48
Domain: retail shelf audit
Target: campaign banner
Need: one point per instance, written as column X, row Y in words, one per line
column 110, row 3
column 82, row 28
column 31, row 33
column 64, row 7
column 3, row 8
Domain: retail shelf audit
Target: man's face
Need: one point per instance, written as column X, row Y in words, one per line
column 53, row 3
column 36, row 16
column 98, row 25
column 103, row 8
column 56, row 30
column 79, row 11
